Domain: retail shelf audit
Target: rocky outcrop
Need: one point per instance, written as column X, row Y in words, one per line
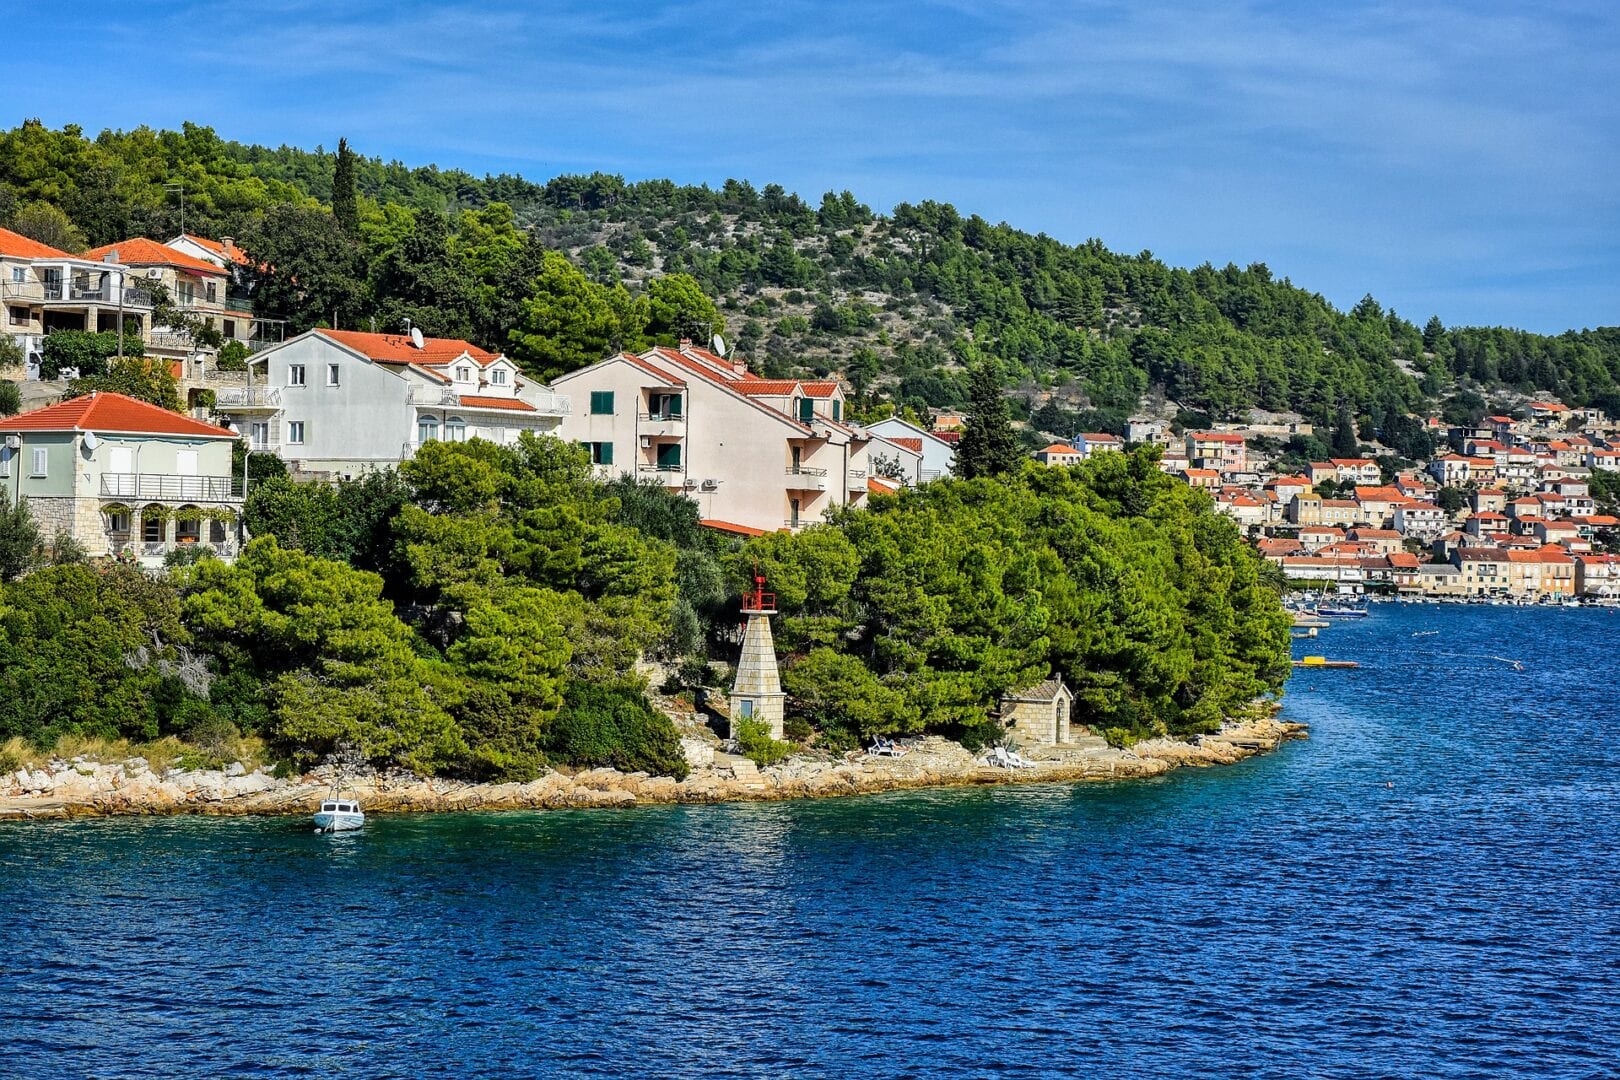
column 87, row 788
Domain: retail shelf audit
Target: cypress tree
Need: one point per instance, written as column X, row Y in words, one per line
column 345, row 204
column 989, row 446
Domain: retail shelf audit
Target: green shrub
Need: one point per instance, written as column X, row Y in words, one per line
column 599, row 726
column 10, row 398
column 981, row 735
column 233, row 356
column 755, row 742
column 186, row 555
column 797, row 729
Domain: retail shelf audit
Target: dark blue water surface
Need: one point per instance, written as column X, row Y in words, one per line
column 1290, row 916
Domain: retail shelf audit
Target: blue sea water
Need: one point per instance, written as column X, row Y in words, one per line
column 1428, row 887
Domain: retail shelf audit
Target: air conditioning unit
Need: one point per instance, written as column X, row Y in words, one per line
column 155, row 274
column 646, row 442
column 711, row 485
column 13, row 442
column 689, row 485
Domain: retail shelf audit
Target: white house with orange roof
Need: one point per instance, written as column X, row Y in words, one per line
column 1059, row 454
column 754, row 453
column 120, row 475
column 343, row 401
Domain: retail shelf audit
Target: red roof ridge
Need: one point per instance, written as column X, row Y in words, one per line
column 18, row 246
column 141, row 251
column 116, row 413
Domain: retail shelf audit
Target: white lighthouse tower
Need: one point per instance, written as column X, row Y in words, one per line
column 757, row 693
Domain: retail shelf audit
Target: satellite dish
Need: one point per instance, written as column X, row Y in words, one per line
column 90, row 441
column 416, row 338
column 719, row 344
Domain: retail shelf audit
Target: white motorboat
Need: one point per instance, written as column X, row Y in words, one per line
column 339, row 815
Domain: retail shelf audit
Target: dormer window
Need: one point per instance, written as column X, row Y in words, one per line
column 498, row 377
column 463, row 374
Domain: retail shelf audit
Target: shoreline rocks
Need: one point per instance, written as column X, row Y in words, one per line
column 80, row 788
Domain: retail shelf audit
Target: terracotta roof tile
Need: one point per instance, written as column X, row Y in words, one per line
column 18, row 246
column 473, row 401
column 398, row 349
column 139, row 251
column 108, row 412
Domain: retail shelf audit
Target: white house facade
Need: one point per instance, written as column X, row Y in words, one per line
column 755, row 454
column 343, row 401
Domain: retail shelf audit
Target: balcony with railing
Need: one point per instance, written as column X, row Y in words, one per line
column 248, row 397
column 806, row 478
column 661, row 425
column 170, row 487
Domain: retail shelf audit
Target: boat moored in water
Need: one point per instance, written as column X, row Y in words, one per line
column 339, row 815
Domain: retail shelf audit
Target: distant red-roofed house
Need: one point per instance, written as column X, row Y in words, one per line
column 1223, row 451
column 1356, row 470
column 1058, row 454
column 1597, row 576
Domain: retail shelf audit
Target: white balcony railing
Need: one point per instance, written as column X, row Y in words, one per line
column 170, row 487
column 248, row 397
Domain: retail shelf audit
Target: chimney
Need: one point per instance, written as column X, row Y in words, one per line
column 739, row 365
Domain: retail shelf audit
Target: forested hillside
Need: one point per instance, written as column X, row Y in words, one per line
column 897, row 304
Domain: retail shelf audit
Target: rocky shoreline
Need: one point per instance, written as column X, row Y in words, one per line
column 81, row 788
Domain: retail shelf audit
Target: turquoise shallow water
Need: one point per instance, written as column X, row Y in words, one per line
column 1290, row 916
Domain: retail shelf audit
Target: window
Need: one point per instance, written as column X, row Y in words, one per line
column 463, row 373
column 152, row 530
column 213, row 292
column 331, row 374
column 295, row 432
column 230, row 328
column 666, row 406
column 669, row 457
column 427, row 429
column 601, row 452
column 295, row 374
column 19, row 274
column 838, row 409
column 455, row 429
column 118, row 522
column 216, row 531
column 6, row 454
column 19, row 316
column 601, row 403
column 42, row 461
column 793, row 511
column 259, row 434
column 745, row 709
column 807, row 409
column 498, row 377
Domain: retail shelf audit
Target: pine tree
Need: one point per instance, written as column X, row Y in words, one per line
column 989, row 447
column 345, row 204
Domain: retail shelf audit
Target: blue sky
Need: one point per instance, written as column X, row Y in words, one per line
column 1460, row 159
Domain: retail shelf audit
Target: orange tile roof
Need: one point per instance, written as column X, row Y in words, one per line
column 730, row 527
column 19, row 246
column 473, row 401
column 139, row 251
column 820, row 389
column 108, row 412
column 1055, row 448
column 910, row 442
column 1216, row 436
column 875, row 486
column 767, row 387
column 397, row 348
column 658, row 373
column 233, row 253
